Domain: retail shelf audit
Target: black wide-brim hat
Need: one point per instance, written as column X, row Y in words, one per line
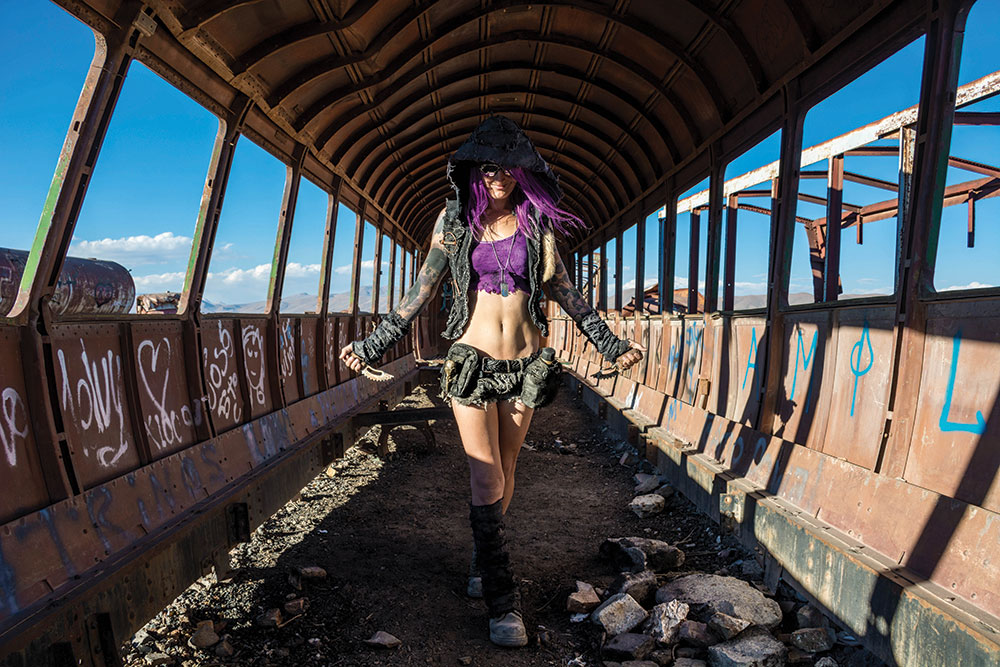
column 499, row 140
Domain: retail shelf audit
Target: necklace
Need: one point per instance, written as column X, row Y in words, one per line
column 504, row 287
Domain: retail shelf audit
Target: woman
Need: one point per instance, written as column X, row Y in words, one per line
column 497, row 237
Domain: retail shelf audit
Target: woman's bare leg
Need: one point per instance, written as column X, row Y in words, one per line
column 513, row 418
column 478, row 428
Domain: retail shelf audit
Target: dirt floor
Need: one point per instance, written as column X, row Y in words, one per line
column 394, row 540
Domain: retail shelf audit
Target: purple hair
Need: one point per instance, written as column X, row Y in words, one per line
column 531, row 192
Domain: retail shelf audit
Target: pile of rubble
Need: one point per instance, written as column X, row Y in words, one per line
column 652, row 614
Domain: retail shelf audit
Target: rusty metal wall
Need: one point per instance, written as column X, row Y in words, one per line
column 85, row 285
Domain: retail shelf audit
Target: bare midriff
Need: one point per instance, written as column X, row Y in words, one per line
column 500, row 326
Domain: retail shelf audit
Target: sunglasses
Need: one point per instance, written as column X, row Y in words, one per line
column 490, row 170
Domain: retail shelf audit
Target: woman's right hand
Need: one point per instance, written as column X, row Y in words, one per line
column 350, row 359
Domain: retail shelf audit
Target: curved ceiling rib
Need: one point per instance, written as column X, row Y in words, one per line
column 572, row 150
column 314, row 71
column 373, row 179
column 630, row 67
column 367, row 138
column 435, row 171
column 213, row 9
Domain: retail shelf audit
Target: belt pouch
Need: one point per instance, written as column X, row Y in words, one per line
column 460, row 370
column 541, row 379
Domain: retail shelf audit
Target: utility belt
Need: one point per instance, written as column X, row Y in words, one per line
column 474, row 380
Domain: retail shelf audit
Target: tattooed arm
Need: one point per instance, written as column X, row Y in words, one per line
column 396, row 323
column 614, row 349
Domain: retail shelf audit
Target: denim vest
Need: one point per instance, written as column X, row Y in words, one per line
column 458, row 245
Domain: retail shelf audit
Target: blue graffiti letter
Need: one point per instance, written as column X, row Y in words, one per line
column 806, row 360
column 751, row 359
column 943, row 423
column 856, row 361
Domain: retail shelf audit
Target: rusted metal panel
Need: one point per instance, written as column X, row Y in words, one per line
column 308, row 355
column 345, row 335
column 649, row 403
column 862, row 367
column 654, row 351
column 85, row 285
column 954, row 446
column 801, row 407
column 91, row 387
column 288, row 366
column 747, row 353
column 255, row 365
column 713, row 357
column 673, row 347
column 169, row 416
column 222, row 377
column 20, row 468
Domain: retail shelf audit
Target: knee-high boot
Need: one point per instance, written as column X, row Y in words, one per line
column 502, row 597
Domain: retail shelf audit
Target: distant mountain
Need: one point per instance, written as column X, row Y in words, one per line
column 294, row 303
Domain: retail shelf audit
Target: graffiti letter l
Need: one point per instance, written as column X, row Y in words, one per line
column 944, row 424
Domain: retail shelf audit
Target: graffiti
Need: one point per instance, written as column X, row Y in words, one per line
column 944, row 423
column 693, row 339
column 287, row 359
column 737, row 450
column 253, row 349
column 12, row 413
column 162, row 426
column 800, row 348
column 222, row 382
column 751, row 358
column 97, row 403
column 856, row 355
column 673, row 410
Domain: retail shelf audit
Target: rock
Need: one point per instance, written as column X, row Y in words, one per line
column 689, row 662
column 270, row 618
column 640, row 585
column 799, row 657
column 647, row 506
column 812, row 640
column 611, row 664
column 695, row 633
column 584, row 600
column 662, row 657
column 465, row 660
column 382, row 639
column 665, row 620
column 787, row 606
column 628, row 458
column 754, row 648
column 666, row 491
column 224, row 648
column 751, row 568
column 628, row 646
column 689, row 652
column 296, row 606
column 281, row 652
column 312, row 573
column 826, row 661
column 809, row 616
column 709, row 593
column 727, row 626
column 645, row 483
column 157, row 658
column 204, row 636
column 639, row 663
column 635, row 554
column 619, row 613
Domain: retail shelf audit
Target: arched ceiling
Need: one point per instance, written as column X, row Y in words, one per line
column 614, row 94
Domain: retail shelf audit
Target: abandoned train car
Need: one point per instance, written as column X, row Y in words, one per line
column 850, row 430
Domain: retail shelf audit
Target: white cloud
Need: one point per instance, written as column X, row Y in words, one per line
column 172, row 281
column 631, row 284
column 366, row 265
column 296, row 270
column 135, row 250
column 235, row 276
column 973, row 285
column 746, row 288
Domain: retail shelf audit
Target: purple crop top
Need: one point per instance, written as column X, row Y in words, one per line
column 485, row 271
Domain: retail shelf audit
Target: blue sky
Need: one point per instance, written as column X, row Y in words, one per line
column 143, row 200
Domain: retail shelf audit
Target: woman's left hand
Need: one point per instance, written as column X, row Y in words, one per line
column 630, row 357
